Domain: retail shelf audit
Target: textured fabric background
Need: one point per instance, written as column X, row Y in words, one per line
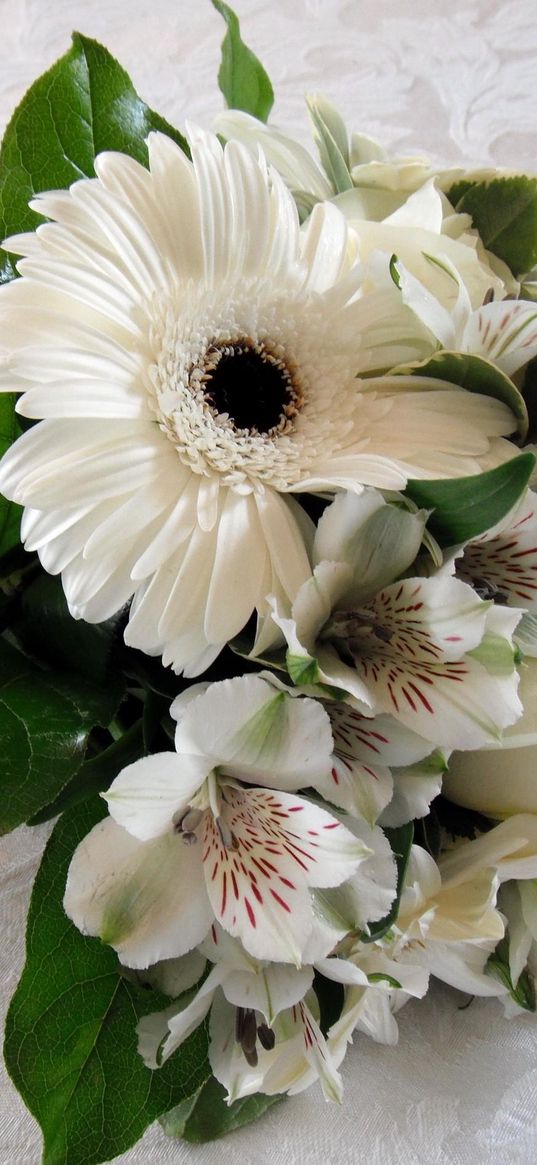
column 456, row 81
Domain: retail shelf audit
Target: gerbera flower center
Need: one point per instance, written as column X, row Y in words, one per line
column 252, row 386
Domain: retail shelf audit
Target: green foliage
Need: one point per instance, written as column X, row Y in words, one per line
column 459, row 189
column 523, row 993
column 400, row 840
column 10, row 514
column 84, row 104
column 242, row 78
column 206, row 1116
column 71, row 1044
column 96, row 774
column 46, row 629
column 45, row 722
column 504, row 211
column 465, row 507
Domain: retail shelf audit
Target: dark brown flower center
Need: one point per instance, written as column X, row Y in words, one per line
column 252, row 386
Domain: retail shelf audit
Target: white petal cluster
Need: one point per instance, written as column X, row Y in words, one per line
column 216, row 349
column 427, row 651
column 192, row 353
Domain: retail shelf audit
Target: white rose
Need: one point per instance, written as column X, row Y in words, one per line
column 501, row 780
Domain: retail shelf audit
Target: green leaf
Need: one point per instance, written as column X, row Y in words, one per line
column 475, row 374
column 10, row 513
column 71, row 1045
column 97, row 774
column 498, row 966
column 459, row 189
column 47, row 630
column 84, row 104
column 400, row 840
column 45, row 722
column 332, row 143
column 242, row 78
column 206, row 1116
column 465, row 507
column 504, row 211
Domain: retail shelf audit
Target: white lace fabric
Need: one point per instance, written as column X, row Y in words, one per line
column 456, row 82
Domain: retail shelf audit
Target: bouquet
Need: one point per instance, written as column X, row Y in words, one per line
column 268, row 555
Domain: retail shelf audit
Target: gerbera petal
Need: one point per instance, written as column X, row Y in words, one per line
column 325, row 247
column 147, row 899
column 288, row 556
column 238, row 569
column 176, row 191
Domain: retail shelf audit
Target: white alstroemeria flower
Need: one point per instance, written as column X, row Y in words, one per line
column 428, row 651
column 502, row 331
column 390, row 985
column 192, row 354
column 502, row 563
column 214, row 830
column 380, row 768
column 447, row 925
column 264, row 1030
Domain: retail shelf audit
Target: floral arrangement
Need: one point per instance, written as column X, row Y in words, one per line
column 269, row 574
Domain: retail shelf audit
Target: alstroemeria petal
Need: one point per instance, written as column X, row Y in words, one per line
column 503, row 332
column 146, row 795
column 360, row 780
column 181, row 1023
column 378, row 541
column 305, row 1047
column 276, row 846
column 147, row 899
column 227, row 1058
column 369, row 893
column 273, row 988
column 414, row 787
column 506, row 564
column 414, row 657
column 257, row 734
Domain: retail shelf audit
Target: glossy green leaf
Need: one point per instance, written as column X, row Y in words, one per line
column 97, row 774
column 242, row 78
column 84, row 104
column 465, row 507
column 45, row 722
column 400, row 840
column 46, row 629
column 475, row 374
column 206, row 1116
column 504, row 211
column 71, row 1045
column 10, row 513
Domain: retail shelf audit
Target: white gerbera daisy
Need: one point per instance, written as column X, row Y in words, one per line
column 191, row 353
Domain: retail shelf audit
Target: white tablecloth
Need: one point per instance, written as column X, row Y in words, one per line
column 456, row 80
